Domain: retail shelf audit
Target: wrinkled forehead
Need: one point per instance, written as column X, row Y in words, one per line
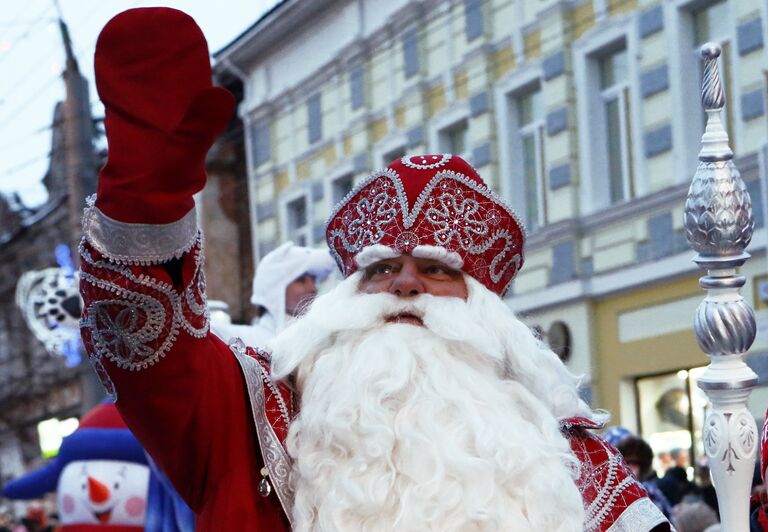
column 373, row 254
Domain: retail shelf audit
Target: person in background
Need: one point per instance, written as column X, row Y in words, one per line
column 706, row 488
column 639, row 457
column 285, row 282
column 675, row 484
column 680, row 458
column 694, row 516
column 665, row 461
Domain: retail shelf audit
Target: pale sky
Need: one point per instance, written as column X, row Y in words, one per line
column 32, row 57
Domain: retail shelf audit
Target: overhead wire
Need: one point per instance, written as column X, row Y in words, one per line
column 18, row 109
column 33, row 22
column 29, row 162
column 56, row 77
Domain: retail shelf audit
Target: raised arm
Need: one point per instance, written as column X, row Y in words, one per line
column 145, row 322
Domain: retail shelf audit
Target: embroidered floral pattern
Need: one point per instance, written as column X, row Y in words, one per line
column 456, row 219
column 133, row 319
column 374, row 213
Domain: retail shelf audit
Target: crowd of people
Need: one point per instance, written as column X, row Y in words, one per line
column 689, row 503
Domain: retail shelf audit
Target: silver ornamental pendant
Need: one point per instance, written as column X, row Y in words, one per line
column 265, row 488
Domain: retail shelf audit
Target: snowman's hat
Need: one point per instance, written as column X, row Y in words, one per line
column 102, row 435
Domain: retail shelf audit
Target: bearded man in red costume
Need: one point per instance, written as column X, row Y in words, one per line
column 408, row 398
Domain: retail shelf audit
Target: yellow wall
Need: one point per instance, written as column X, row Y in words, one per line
column 615, row 361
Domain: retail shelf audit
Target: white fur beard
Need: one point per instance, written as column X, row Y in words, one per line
column 403, row 429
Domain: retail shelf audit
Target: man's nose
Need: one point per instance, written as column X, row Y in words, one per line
column 407, row 283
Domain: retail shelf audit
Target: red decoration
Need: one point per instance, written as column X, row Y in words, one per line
column 430, row 200
column 764, row 448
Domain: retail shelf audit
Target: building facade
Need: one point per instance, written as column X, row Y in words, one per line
column 584, row 114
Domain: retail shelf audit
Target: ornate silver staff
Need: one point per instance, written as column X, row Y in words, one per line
column 719, row 225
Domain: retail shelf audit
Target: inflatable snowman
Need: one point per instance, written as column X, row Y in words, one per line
column 101, row 477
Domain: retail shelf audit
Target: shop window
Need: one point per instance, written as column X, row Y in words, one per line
column 671, row 410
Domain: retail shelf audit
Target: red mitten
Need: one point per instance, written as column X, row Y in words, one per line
column 153, row 75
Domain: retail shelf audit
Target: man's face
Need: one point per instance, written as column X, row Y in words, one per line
column 299, row 291
column 406, row 276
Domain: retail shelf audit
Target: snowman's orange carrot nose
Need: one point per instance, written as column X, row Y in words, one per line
column 98, row 492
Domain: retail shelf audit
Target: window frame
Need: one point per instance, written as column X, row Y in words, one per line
column 594, row 195
column 537, row 129
column 314, row 115
column 409, row 40
column 306, row 230
column 445, row 140
column 256, row 124
column 353, row 78
column 342, row 171
column 395, row 141
column 444, row 122
column 507, row 90
column 618, row 91
column 685, row 79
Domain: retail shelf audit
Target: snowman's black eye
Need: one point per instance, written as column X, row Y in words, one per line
column 117, row 485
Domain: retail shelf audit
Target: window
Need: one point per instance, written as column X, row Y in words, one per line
column 672, row 409
column 453, row 139
column 530, row 121
column 259, row 143
column 711, row 24
column 473, row 14
column 314, row 118
column 614, row 99
column 390, row 156
column 340, row 187
column 297, row 221
column 357, row 87
column 410, row 52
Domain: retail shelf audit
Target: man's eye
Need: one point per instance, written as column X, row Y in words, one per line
column 380, row 269
column 436, row 270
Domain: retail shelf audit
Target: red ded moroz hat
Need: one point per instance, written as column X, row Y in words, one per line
column 429, row 206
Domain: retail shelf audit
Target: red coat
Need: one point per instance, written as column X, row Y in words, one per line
column 211, row 416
